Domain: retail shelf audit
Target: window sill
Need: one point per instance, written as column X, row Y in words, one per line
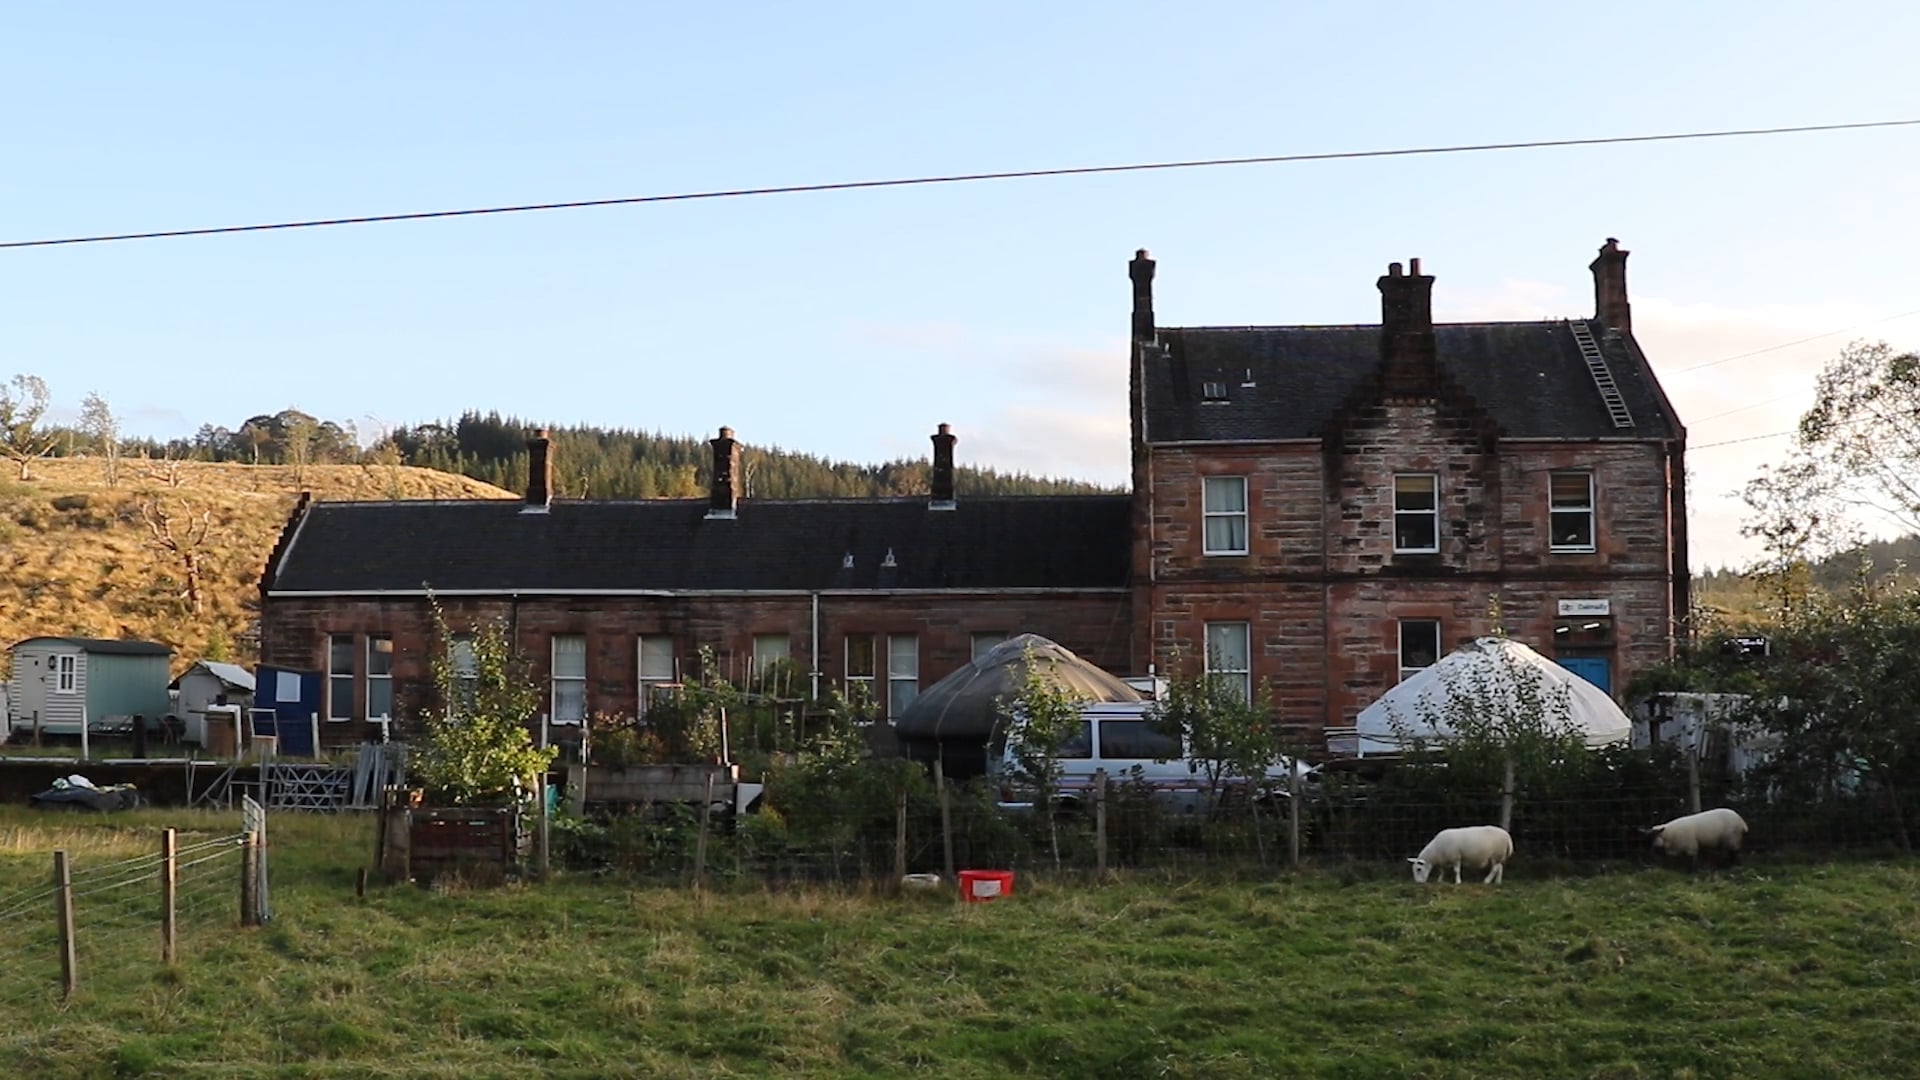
column 1416, row 551
column 1224, row 554
column 1572, row 550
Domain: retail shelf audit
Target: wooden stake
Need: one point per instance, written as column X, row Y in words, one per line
column 700, row 845
column 249, row 881
column 169, row 885
column 946, row 815
column 1293, row 815
column 63, row 909
column 1100, row 821
column 360, row 882
column 1693, row 777
column 900, row 837
column 1506, row 796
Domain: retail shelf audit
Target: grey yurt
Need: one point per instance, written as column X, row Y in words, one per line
column 955, row 718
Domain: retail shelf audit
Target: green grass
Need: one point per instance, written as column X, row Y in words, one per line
column 1773, row 970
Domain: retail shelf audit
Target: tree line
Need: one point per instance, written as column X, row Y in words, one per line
column 588, row 462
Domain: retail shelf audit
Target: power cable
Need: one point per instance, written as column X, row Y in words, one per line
column 922, row 181
column 1791, row 344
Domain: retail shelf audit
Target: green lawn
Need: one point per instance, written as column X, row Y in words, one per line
column 1775, row 970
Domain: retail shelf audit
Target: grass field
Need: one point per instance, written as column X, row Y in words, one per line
column 1772, row 970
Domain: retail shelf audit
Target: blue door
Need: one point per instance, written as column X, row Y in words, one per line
column 1594, row 669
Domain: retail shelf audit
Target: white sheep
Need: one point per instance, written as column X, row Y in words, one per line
column 1476, row 846
column 1719, row 829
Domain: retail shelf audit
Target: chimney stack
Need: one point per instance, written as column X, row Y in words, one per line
column 1610, row 307
column 539, row 471
column 724, row 496
column 942, row 487
column 1141, row 271
column 1406, row 331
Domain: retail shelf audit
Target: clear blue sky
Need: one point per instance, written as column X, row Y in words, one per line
column 849, row 324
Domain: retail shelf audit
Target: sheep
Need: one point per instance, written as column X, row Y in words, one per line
column 1476, row 846
column 1716, row 830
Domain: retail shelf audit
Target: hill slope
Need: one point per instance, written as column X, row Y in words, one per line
column 80, row 558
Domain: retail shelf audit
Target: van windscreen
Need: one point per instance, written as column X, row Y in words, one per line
column 1136, row 739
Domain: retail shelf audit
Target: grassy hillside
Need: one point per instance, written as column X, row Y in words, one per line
column 78, row 557
column 1775, row 970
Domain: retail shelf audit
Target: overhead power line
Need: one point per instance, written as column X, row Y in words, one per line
column 1801, row 341
column 1022, row 174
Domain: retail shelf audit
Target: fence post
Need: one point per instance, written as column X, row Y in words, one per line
column 1506, row 795
column 63, row 909
column 1293, row 815
column 900, row 837
column 700, row 845
column 1100, row 821
column 1693, row 777
column 249, row 880
column 169, row 882
column 946, row 815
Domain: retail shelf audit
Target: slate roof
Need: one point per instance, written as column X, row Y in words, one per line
column 1057, row 542
column 1529, row 377
column 109, row 646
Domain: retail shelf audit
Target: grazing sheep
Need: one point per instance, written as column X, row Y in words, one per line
column 1475, row 846
column 1716, row 830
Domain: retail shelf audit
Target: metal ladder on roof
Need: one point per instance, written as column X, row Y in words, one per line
column 1602, row 375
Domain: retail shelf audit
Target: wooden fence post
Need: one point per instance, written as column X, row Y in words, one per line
column 1100, row 821
column 169, row 883
column 249, row 881
column 63, row 909
column 946, row 814
column 1693, row 777
column 700, row 845
column 900, row 837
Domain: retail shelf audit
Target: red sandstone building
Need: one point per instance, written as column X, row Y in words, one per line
column 1320, row 509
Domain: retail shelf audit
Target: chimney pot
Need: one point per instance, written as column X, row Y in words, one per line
column 539, row 471
column 940, row 497
column 1140, row 270
column 1610, row 307
column 1413, row 267
column 723, row 495
column 1393, row 270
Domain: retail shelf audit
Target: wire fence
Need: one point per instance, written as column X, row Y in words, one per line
column 113, row 916
column 876, row 820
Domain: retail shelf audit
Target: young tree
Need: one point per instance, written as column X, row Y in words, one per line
column 478, row 746
column 1040, row 718
column 100, row 425
column 23, row 404
column 1228, row 739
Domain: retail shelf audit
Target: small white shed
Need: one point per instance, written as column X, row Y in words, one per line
column 208, row 683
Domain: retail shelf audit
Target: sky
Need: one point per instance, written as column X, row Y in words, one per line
column 849, row 324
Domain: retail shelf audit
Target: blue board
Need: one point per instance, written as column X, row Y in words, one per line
column 1595, row 669
column 285, row 702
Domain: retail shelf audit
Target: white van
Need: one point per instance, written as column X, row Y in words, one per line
column 1119, row 737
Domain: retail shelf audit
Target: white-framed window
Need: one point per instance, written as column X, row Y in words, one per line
column 1419, row 645
column 463, row 667
column 1230, row 657
column 769, row 650
column 984, row 641
column 657, row 668
column 66, row 675
column 1570, row 511
column 379, row 677
column 340, row 672
column 903, row 672
column 860, row 668
column 1223, row 506
column 569, row 679
column 1416, row 512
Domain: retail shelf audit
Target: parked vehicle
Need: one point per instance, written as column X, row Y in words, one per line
column 1119, row 737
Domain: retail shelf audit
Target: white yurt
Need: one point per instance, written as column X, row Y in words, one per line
column 1490, row 668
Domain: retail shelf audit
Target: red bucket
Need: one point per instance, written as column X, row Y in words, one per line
column 977, row 886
